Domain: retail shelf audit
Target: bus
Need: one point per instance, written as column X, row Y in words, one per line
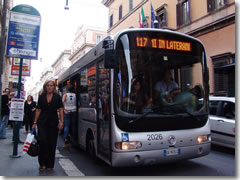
column 159, row 127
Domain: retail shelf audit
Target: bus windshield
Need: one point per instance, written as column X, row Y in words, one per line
column 159, row 75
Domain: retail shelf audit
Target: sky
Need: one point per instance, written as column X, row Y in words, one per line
column 58, row 26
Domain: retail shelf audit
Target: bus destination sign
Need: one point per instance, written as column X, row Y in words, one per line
column 163, row 44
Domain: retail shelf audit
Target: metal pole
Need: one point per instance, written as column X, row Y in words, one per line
column 2, row 47
column 17, row 123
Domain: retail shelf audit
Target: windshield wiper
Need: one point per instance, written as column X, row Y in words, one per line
column 149, row 112
column 145, row 114
column 184, row 111
column 170, row 107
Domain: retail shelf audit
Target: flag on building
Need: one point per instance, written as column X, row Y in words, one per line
column 153, row 18
column 141, row 18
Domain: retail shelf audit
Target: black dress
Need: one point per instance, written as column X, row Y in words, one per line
column 29, row 114
column 5, row 109
column 47, row 125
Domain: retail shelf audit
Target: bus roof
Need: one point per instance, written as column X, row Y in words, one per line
column 98, row 51
column 114, row 37
column 92, row 54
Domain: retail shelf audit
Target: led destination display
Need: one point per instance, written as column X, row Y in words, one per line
column 163, row 44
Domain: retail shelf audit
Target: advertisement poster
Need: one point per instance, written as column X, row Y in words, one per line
column 26, row 67
column 16, row 110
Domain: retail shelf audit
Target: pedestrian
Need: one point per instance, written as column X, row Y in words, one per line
column 47, row 122
column 11, row 95
column 29, row 112
column 22, row 92
column 70, row 108
column 4, row 113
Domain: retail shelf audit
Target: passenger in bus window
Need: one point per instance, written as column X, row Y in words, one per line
column 166, row 85
column 187, row 100
column 92, row 101
column 92, row 104
column 137, row 99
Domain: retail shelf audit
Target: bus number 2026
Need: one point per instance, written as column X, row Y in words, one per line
column 154, row 137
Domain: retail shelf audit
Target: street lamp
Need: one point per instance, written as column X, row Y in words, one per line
column 66, row 6
column 156, row 23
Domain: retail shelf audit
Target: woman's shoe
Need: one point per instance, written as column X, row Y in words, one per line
column 41, row 169
column 66, row 144
column 49, row 169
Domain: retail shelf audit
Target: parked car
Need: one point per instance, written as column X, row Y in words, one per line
column 222, row 120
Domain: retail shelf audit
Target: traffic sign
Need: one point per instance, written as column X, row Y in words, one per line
column 23, row 33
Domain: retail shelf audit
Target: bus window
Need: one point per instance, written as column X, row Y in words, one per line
column 104, row 110
column 84, row 98
column 91, row 83
column 103, row 91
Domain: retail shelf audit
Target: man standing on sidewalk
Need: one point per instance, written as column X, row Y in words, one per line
column 4, row 114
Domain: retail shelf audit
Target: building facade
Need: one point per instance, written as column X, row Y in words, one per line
column 86, row 38
column 6, row 63
column 33, row 88
column 211, row 21
column 61, row 64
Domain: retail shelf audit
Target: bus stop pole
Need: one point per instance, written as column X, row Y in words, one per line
column 17, row 123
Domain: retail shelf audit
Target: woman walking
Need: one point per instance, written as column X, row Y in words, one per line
column 46, row 119
column 29, row 112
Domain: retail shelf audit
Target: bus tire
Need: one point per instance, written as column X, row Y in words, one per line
column 91, row 147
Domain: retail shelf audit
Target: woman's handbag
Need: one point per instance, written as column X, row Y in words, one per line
column 31, row 145
column 34, row 148
column 28, row 141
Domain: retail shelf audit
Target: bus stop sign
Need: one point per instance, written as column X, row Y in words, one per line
column 23, row 33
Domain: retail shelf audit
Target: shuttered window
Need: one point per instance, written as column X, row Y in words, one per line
column 215, row 4
column 224, row 74
column 162, row 17
column 179, row 14
column 120, row 12
column 130, row 5
column 220, row 81
column 111, row 21
column 183, row 13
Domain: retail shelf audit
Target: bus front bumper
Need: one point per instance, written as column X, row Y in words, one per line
column 143, row 158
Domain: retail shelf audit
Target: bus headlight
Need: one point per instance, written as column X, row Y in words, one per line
column 203, row 138
column 128, row 145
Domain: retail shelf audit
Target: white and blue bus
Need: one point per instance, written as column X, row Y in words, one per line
column 156, row 127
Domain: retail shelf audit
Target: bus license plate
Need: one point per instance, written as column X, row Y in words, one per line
column 172, row 151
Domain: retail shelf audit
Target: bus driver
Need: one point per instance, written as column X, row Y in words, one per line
column 165, row 86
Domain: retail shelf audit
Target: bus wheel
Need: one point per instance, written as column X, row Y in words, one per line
column 91, row 148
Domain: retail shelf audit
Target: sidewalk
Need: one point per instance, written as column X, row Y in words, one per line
column 24, row 165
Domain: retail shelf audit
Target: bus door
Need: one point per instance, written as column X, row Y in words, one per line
column 74, row 81
column 103, row 145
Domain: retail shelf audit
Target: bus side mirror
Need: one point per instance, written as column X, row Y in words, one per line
column 109, row 58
